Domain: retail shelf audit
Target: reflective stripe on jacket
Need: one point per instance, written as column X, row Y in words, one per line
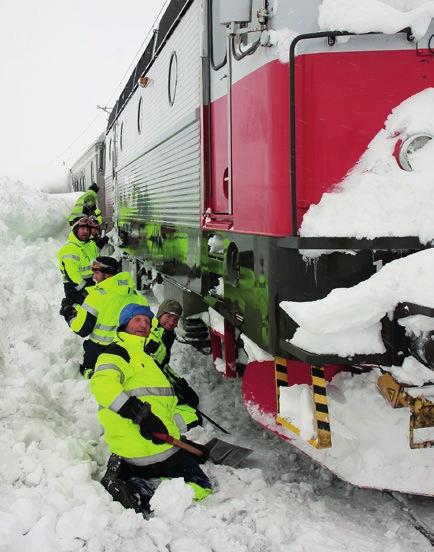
column 98, row 316
column 159, row 343
column 158, row 346
column 122, row 371
column 75, row 260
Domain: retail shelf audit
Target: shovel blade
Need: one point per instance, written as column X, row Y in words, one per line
column 221, row 452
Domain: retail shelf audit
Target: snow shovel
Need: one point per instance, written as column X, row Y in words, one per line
column 214, row 423
column 220, row 452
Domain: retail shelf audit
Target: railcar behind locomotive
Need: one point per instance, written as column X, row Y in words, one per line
column 214, row 152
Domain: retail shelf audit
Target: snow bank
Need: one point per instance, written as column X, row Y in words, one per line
column 52, row 454
column 378, row 198
column 18, row 216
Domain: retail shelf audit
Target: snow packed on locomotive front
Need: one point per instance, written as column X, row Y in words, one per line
column 219, row 150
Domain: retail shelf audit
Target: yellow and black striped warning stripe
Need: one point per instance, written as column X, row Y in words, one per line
column 281, row 375
column 321, row 407
column 319, row 383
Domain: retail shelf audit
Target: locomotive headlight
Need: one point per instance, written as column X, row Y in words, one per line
column 409, row 146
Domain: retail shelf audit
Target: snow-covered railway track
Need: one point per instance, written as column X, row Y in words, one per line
column 420, row 511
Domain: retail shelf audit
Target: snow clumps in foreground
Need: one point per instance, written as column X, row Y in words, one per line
column 52, row 455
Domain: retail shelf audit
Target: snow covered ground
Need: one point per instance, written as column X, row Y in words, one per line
column 52, row 455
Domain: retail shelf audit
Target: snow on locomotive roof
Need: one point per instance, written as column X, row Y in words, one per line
column 376, row 16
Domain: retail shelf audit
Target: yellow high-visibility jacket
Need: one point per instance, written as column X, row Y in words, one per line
column 122, row 371
column 75, row 262
column 158, row 346
column 81, row 210
column 98, row 316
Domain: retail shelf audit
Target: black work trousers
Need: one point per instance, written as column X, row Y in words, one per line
column 180, row 464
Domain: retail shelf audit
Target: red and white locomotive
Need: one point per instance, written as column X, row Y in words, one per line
column 214, row 152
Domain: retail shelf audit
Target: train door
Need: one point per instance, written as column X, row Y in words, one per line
column 220, row 115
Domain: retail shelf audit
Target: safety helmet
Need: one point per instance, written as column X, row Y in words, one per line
column 106, row 265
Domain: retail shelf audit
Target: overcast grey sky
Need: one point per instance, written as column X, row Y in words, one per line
column 58, row 60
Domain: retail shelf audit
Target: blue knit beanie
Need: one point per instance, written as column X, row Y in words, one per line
column 131, row 310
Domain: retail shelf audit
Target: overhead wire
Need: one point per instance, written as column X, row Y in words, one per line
column 115, row 91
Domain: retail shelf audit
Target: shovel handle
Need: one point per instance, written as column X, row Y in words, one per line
column 177, row 443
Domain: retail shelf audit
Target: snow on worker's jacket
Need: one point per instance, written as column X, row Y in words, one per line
column 122, row 371
column 98, row 316
column 81, row 210
column 75, row 262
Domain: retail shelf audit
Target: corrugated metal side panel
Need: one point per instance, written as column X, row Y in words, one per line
column 158, row 170
column 158, row 116
column 109, row 195
column 163, row 185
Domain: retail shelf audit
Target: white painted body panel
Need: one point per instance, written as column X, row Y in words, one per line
column 162, row 162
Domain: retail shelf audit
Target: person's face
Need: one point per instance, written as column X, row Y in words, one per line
column 168, row 321
column 98, row 276
column 95, row 231
column 139, row 325
column 83, row 233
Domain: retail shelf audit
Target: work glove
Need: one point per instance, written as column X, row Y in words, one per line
column 185, row 393
column 67, row 310
column 102, row 241
column 151, row 347
column 89, row 282
column 205, row 452
column 141, row 414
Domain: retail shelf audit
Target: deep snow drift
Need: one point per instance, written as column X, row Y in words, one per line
column 52, row 455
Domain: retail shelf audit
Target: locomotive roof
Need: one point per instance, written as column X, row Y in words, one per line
column 168, row 22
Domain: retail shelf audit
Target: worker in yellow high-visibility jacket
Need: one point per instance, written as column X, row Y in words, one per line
column 135, row 401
